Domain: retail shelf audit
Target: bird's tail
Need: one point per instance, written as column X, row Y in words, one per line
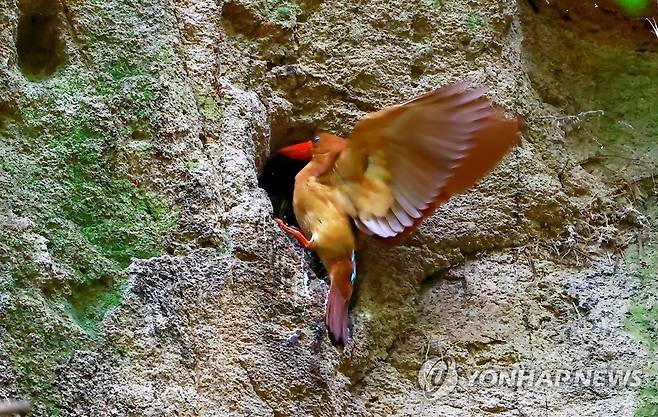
column 341, row 273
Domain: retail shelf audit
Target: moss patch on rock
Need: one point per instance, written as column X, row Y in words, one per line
column 73, row 214
column 642, row 318
column 602, row 72
column 625, row 87
column 624, row 84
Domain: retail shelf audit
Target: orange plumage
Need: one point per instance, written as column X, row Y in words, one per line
column 399, row 165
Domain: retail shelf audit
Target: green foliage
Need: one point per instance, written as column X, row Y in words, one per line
column 634, row 7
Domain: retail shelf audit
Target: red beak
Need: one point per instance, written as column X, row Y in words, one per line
column 301, row 151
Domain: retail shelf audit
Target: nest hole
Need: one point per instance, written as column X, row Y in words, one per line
column 278, row 173
column 39, row 43
column 278, row 181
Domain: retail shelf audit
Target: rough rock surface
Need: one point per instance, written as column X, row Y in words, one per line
column 142, row 273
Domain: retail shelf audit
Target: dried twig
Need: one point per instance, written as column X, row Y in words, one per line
column 569, row 122
column 654, row 26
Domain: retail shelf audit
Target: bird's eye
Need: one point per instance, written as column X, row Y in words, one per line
column 315, row 139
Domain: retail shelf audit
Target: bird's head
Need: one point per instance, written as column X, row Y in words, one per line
column 322, row 144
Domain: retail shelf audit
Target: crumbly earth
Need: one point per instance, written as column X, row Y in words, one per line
column 141, row 271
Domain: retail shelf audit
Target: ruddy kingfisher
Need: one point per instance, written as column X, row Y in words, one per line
column 398, row 165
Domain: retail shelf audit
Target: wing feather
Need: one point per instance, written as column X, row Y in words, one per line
column 401, row 215
column 412, row 157
column 401, row 197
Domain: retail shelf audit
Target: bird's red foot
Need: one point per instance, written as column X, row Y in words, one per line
column 296, row 233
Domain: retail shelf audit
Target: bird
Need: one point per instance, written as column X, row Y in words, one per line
column 396, row 167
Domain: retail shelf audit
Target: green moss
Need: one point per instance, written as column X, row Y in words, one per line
column 628, row 128
column 642, row 317
column 475, row 23
column 285, row 12
column 95, row 221
column 643, row 323
column 647, row 266
column 627, row 132
column 192, row 164
column 73, row 82
column 120, row 70
column 649, row 395
column 624, row 84
column 41, row 344
column 89, row 302
column 209, row 108
column 52, row 411
column 116, row 218
column 63, row 163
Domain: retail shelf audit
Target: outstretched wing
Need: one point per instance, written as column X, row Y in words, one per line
column 402, row 162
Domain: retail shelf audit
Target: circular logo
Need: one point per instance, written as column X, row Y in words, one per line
column 438, row 377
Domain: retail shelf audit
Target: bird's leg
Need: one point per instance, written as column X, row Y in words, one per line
column 296, row 233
